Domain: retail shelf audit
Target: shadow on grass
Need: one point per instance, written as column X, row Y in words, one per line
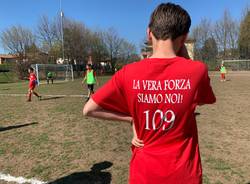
column 94, row 176
column 51, row 98
column 16, row 126
column 54, row 84
column 6, row 82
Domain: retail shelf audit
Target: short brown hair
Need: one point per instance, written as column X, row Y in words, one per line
column 31, row 69
column 169, row 20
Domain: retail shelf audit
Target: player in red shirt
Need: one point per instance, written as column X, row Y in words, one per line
column 160, row 94
column 32, row 85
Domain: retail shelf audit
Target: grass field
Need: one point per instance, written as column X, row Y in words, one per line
column 50, row 139
column 8, row 77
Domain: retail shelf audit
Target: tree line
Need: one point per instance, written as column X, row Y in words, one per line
column 226, row 38
column 44, row 43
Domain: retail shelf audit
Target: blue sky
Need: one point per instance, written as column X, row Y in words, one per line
column 128, row 17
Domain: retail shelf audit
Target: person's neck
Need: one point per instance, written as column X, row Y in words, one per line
column 163, row 49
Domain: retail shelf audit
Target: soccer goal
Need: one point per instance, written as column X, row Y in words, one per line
column 59, row 72
column 237, row 65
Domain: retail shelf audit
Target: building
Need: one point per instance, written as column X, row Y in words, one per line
column 190, row 47
column 7, row 58
column 146, row 51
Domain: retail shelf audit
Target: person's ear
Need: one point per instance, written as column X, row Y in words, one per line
column 149, row 35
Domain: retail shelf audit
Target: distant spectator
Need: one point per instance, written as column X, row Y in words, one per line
column 223, row 72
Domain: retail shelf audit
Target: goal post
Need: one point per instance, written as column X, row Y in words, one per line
column 237, row 64
column 60, row 72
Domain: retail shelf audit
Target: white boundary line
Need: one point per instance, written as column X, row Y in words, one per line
column 20, row 180
column 71, row 96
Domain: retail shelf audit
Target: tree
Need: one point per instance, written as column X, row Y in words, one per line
column 244, row 37
column 234, row 38
column 226, row 33
column 79, row 43
column 76, row 40
column 209, row 50
column 49, row 33
column 201, row 33
column 17, row 40
column 45, row 32
column 98, row 48
column 113, row 44
column 128, row 52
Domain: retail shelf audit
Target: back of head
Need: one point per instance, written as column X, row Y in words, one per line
column 31, row 69
column 89, row 66
column 169, row 21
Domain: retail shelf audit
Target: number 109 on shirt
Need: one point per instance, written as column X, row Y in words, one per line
column 166, row 119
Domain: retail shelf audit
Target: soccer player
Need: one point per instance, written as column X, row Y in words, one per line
column 159, row 95
column 32, row 85
column 223, row 72
column 91, row 80
column 50, row 77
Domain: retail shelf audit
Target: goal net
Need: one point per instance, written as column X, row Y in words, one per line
column 237, row 65
column 59, row 72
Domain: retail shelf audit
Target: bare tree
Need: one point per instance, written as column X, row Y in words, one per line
column 20, row 41
column 201, row 33
column 77, row 40
column 49, row 33
column 79, row 43
column 226, row 32
column 113, row 45
column 244, row 36
column 99, row 50
column 128, row 52
column 209, row 50
column 234, row 38
column 17, row 40
column 45, row 32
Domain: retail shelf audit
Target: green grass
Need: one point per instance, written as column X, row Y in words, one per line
column 61, row 88
column 218, row 164
column 2, row 151
column 228, row 172
column 205, row 179
column 8, row 77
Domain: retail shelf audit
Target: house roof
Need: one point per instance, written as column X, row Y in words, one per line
column 8, row 56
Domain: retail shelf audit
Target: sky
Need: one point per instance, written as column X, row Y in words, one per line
column 129, row 17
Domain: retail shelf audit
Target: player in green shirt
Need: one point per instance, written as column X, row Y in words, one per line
column 49, row 77
column 223, row 72
column 91, row 80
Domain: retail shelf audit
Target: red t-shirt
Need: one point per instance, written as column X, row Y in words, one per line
column 161, row 96
column 32, row 80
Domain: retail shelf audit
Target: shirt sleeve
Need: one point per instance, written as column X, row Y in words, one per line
column 205, row 93
column 111, row 96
